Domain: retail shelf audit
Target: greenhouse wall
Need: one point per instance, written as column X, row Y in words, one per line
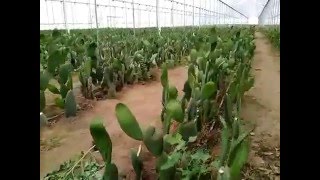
column 84, row 14
column 270, row 15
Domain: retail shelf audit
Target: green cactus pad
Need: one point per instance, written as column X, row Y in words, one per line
column 59, row 102
column 110, row 172
column 128, row 122
column 101, row 139
column 44, row 80
column 136, row 163
column 188, row 129
column 193, row 55
column 208, row 90
column 174, row 110
column 153, row 141
column 70, row 104
column 53, row 89
column 64, row 72
column 42, row 101
column 43, row 120
column 63, row 90
column 228, row 110
column 164, row 76
column 70, row 82
column 173, row 92
column 161, row 160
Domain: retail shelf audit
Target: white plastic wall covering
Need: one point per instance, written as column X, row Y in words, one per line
column 200, row 14
column 65, row 16
column 126, row 15
column 47, row 11
column 133, row 18
column 184, row 12
column 172, row 22
column 90, row 18
column 157, row 14
column 96, row 15
column 52, row 13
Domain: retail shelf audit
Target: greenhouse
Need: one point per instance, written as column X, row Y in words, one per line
column 160, row 89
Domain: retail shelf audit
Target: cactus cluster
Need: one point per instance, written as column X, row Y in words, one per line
column 67, row 99
column 152, row 139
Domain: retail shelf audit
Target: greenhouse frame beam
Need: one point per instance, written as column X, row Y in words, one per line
column 264, row 7
column 65, row 16
column 233, row 9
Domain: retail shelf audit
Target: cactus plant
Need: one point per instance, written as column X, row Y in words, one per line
column 43, row 120
column 172, row 92
column 153, row 141
column 174, row 110
column 64, row 71
column 128, row 122
column 42, row 101
column 188, row 129
column 208, row 90
column 136, row 163
column 110, row 172
column 70, row 104
column 102, row 139
column 44, row 80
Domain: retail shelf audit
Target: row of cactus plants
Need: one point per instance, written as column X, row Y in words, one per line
column 120, row 58
column 218, row 76
column 273, row 34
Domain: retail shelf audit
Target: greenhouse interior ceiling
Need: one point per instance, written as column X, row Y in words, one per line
column 84, row 14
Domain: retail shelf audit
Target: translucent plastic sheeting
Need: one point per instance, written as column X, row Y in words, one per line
column 80, row 14
column 270, row 14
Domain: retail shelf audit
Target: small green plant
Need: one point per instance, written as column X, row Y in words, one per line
column 79, row 167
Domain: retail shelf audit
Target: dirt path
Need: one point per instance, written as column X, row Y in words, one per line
column 72, row 135
column 262, row 107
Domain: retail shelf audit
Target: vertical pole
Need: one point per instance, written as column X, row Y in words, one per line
column 125, row 6
column 133, row 18
column 96, row 14
column 114, row 21
column 157, row 15
column 192, row 12
column 149, row 12
column 139, row 17
column 172, row 24
column 210, row 13
column 47, row 10
column 90, row 20
column 184, row 13
column 54, row 21
column 205, row 12
column 199, row 13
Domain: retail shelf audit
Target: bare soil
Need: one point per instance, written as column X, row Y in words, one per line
column 261, row 107
column 74, row 136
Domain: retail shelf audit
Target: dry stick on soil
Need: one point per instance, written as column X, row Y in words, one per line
column 53, row 117
column 75, row 165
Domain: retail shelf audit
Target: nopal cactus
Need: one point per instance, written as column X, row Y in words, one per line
column 128, row 122
column 70, row 104
column 103, row 142
column 153, row 140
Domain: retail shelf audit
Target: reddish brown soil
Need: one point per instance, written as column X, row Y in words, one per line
column 261, row 107
column 74, row 136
